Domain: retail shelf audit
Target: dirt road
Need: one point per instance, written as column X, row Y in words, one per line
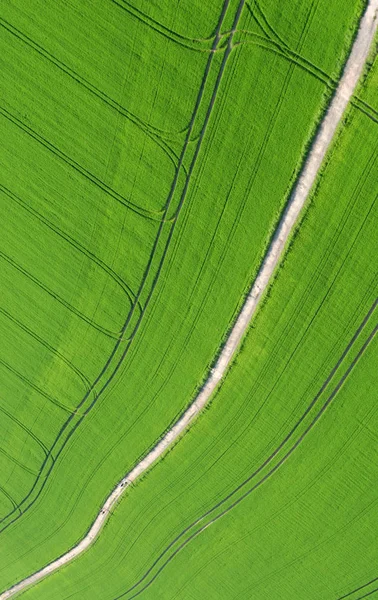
column 344, row 91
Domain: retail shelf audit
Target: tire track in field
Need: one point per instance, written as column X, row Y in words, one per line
column 282, row 48
column 220, row 261
column 247, row 424
column 263, row 22
column 9, row 260
column 60, row 155
column 8, row 496
column 294, row 57
column 182, row 198
column 309, row 288
column 332, row 242
column 72, row 242
column 148, row 268
column 263, row 465
column 266, row 28
column 35, row 387
column 366, row 108
column 194, row 467
column 368, row 594
column 279, row 42
column 26, row 429
column 173, row 36
column 236, row 222
column 301, row 62
column 366, row 112
column 84, row 380
column 185, row 189
column 230, row 236
column 154, row 133
column 17, row 462
column 303, row 186
column 240, row 212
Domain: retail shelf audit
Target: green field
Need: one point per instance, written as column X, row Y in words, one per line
column 146, row 156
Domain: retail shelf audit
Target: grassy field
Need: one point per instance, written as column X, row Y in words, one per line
column 142, row 174
column 281, row 465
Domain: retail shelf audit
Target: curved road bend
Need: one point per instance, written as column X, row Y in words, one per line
column 323, row 139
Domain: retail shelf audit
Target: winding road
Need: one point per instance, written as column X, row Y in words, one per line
column 300, row 193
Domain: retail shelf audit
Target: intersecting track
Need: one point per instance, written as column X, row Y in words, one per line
column 279, row 46
column 154, row 133
column 178, row 38
column 344, row 92
column 86, row 404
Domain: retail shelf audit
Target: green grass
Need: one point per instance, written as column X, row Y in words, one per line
column 95, row 110
column 306, row 528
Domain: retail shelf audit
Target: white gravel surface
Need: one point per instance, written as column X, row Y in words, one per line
column 345, row 89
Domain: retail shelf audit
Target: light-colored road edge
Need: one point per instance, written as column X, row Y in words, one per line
column 323, row 139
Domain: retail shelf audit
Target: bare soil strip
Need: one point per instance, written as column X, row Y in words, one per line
column 344, row 91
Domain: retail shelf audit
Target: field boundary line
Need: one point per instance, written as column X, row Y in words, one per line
column 323, row 139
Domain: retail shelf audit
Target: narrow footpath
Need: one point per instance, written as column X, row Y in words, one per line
column 333, row 116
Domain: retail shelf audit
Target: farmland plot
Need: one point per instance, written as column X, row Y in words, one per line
column 123, row 228
column 270, row 494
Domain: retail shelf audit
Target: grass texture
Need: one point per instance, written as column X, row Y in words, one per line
column 144, row 165
column 270, row 493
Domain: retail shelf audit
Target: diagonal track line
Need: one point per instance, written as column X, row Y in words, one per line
column 322, row 141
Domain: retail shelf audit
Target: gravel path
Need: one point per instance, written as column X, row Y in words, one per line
column 345, row 89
